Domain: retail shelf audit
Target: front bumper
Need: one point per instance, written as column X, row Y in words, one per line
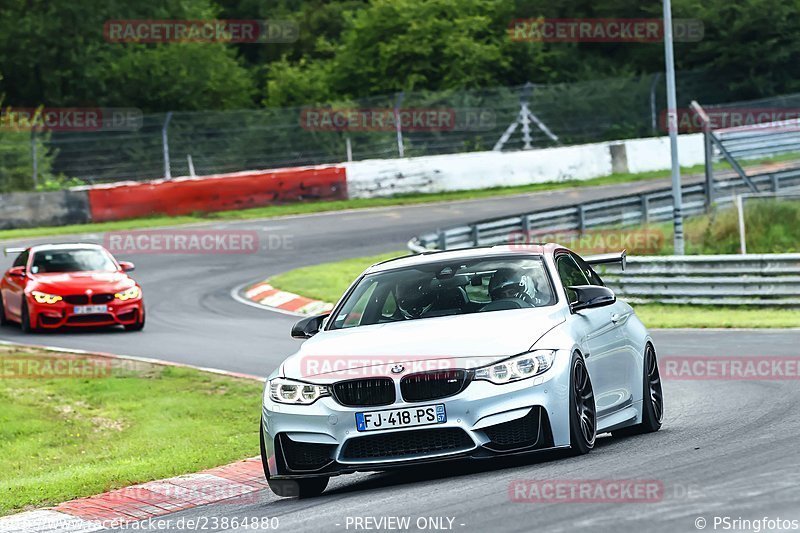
column 484, row 420
column 61, row 314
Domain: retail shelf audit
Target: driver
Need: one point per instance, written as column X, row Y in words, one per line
column 414, row 297
column 511, row 283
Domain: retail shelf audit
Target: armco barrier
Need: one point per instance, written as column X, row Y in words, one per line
column 629, row 210
column 757, row 279
column 183, row 196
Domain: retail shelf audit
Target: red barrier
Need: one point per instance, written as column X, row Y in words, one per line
column 242, row 190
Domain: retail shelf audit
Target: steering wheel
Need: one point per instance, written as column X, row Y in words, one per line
column 504, row 304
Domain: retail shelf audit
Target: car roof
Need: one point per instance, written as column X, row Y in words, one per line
column 465, row 253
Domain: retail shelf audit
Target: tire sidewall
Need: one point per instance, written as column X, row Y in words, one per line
column 578, row 444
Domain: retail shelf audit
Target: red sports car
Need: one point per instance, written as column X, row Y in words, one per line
column 55, row 285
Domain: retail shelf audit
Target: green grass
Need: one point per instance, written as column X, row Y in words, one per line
column 67, row 437
column 327, row 282
column 681, row 316
column 302, row 208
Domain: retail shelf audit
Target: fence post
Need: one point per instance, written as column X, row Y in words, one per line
column 349, row 147
column 581, row 219
column 775, row 182
column 34, row 159
column 474, row 234
column 709, row 152
column 645, row 209
column 442, row 239
column 165, row 146
column 398, row 126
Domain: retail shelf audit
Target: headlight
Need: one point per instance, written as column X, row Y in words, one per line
column 128, row 294
column 44, row 298
column 519, row 367
column 287, row 391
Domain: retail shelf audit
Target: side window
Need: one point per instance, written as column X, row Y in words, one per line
column 570, row 273
column 21, row 260
column 589, row 272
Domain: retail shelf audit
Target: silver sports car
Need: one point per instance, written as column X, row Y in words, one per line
column 461, row 354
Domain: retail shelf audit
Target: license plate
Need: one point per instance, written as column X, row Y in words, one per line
column 407, row 417
column 90, row 309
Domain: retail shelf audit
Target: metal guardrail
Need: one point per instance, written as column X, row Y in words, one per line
column 757, row 279
column 629, row 210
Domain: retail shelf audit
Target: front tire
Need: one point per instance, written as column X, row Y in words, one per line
column 652, row 398
column 582, row 409
column 3, row 319
column 25, row 322
column 302, row 488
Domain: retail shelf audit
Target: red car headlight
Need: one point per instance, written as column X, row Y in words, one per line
column 44, row 298
column 128, row 294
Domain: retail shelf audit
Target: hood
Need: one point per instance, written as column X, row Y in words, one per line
column 460, row 341
column 63, row 283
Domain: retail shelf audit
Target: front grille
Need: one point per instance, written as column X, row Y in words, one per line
column 102, row 298
column 433, row 385
column 364, row 392
column 90, row 319
column 77, row 299
column 405, row 443
column 305, row 456
column 520, row 433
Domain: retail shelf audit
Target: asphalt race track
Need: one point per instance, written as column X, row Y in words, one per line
column 727, row 448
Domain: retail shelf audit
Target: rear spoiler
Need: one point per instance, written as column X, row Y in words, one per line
column 7, row 251
column 621, row 258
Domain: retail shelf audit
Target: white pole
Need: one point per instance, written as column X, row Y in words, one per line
column 165, row 147
column 740, row 211
column 672, row 118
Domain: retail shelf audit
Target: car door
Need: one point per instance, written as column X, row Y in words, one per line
column 620, row 362
column 14, row 286
column 597, row 334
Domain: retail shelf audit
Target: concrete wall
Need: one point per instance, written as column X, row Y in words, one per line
column 32, row 209
column 360, row 179
column 478, row 170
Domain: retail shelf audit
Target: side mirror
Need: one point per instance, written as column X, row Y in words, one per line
column 127, row 266
column 308, row 327
column 589, row 296
column 17, row 272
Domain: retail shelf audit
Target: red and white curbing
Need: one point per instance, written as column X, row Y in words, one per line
column 236, row 481
column 266, row 295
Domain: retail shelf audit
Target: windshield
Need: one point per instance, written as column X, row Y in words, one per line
column 445, row 289
column 84, row 260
